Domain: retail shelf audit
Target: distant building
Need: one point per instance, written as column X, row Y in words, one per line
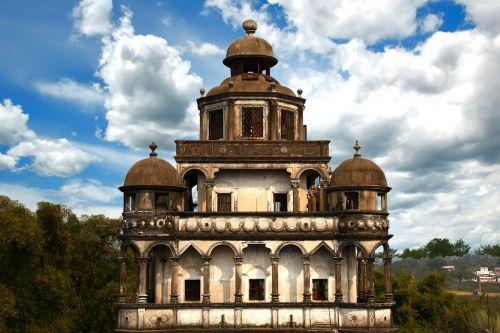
column 485, row 275
column 449, row 268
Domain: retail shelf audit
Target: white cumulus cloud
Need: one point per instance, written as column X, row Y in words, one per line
column 49, row 157
column 13, row 123
column 151, row 90
column 67, row 89
column 431, row 23
column 93, row 17
column 205, row 49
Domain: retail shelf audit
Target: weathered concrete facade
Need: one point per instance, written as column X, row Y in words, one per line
column 251, row 231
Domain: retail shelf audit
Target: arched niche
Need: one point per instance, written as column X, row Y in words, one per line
column 322, row 272
column 159, row 277
column 291, row 273
column 222, row 274
column 256, row 266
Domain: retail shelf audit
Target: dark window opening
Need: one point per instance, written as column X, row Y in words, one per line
column 320, row 290
column 215, row 125
column 223, row 202
column 352, row 200
column 130, row 202
column 253, row 122
column 161, row 201
column 191, row 290
column 280, row 202
column 256, row 290
column 287, row 125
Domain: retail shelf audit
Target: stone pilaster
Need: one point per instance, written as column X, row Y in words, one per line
column 338, row 279
column 209, row 185
column 275, row 296
column 389, row 297
column 206, row 279
column 142, row 296
column 361, row 279
column 238, row 295
column 307, row 278
column 174, row 292
column 296, row 198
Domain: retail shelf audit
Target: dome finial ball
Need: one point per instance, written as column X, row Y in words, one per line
column 250, row 26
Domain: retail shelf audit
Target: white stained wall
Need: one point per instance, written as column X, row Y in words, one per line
column 162, row 274
column 291, row 274
column 222, row 274
column 323, row 267
column 252, row 191
column 190, row 268
column 256, row 265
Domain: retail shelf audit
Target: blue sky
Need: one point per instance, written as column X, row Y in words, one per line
column 85, row 85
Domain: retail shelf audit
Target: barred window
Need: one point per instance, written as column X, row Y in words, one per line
column 256, row 290
column 287, row 125
column 320, row 290
column 215, row 125
column 191, row 290
column 223, row 202
column 253, row 122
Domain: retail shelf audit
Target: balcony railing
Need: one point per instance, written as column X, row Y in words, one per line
column 252, row 151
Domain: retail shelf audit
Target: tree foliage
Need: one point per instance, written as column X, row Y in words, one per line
column 492, row 250
column 438, row 247
column 59, row 273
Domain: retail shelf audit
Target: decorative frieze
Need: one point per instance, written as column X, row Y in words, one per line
column 363, row 223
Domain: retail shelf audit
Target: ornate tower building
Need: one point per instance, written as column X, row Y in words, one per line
column 251, row 231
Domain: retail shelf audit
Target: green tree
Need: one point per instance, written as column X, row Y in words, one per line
column 418, row 253
column 461, row 248
column 440, row 247
column 492, row 250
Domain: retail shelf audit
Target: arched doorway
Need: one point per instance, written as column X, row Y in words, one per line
column 194, row 180
column 311, row 190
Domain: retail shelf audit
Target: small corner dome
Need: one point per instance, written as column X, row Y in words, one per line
column 358, row 171
column 152, row 171
column 250, row 46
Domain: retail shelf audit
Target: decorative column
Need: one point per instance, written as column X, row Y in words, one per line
column 370, row 283
column 274, row 124
column 209, row 185
column 231, row 126
column 300, row 123
column 322, row 195
column 206, row 279
column 338, row 279
column 307, row 278
column 142, row 296
column 238, row 264
column 389, row 297
column 174, row 292
column 295, row 190
column 361, row 279
column 123, row 280
column 275, row 296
